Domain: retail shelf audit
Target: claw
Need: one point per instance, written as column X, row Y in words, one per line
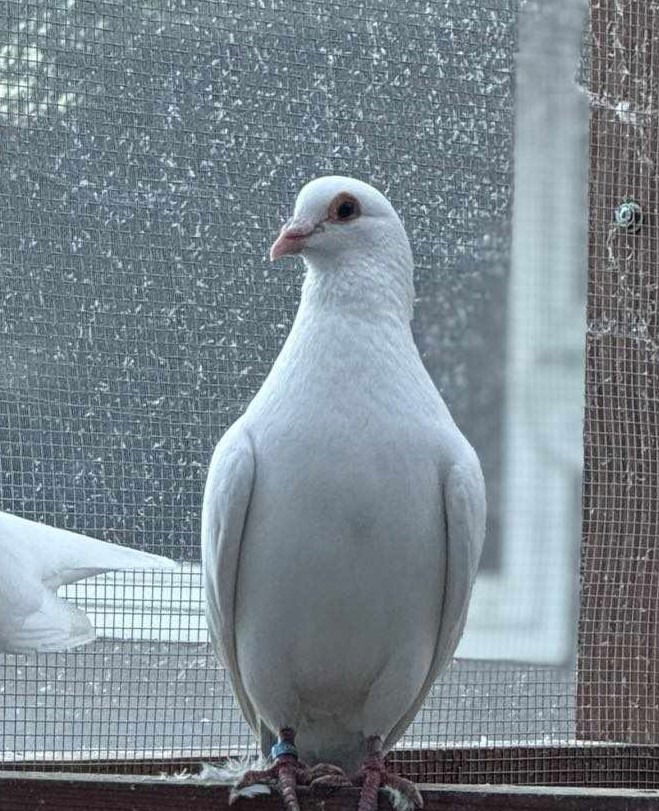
column 325, row 778
column 404, row 795
column 253, row 783
column 285, row 773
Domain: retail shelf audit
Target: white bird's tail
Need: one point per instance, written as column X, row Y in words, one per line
column 61, row 557
column 36, row 559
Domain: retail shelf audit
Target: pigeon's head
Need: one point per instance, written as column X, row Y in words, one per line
column 338, row 219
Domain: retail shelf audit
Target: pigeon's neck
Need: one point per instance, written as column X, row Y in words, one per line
column 373, row 284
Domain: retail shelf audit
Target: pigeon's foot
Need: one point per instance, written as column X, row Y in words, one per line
column 285, row 773
column 327, row 777
column 403, row 794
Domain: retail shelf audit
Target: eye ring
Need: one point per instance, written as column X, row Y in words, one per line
column 344, row 208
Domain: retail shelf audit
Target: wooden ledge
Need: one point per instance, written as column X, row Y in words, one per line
column 36, row 790
column 608, row 766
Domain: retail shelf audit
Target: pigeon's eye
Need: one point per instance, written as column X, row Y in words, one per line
column 343, row 208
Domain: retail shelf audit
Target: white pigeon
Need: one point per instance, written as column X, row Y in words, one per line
column 344, row 512
column 35, row 559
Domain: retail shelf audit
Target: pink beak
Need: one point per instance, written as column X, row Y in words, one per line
column 291, row 239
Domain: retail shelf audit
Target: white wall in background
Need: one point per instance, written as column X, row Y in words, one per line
column 527, row 610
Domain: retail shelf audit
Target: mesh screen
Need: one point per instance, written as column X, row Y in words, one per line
column 618, row 650
column 150, row 152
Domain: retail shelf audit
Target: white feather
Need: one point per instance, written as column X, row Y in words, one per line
column 249, row 791
column 232, row 770
column 399, row 802
column 231, row 773
column 35, row 559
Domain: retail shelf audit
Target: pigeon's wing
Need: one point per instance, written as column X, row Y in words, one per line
column 465, row 509
column 226, row 501
column 463, row 497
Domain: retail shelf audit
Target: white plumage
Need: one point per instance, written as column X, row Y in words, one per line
column 344, row 512
column 35, row 559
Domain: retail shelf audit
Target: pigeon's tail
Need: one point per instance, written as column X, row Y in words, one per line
column 36, row 560
column 56, row 626
column 61, row 557
column 81, row 557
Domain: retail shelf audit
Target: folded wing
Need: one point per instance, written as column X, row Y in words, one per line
column 463, row 499
column 226, row 502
